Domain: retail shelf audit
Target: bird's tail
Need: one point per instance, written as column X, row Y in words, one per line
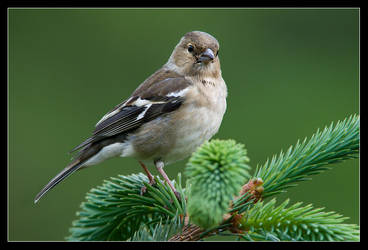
column 71, row 168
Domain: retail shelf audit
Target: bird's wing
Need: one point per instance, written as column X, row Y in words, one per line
column 149, row 103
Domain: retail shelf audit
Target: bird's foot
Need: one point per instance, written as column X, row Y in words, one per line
column 160, row 167
column 177, row 194
column 150, row 178
column 144, row 188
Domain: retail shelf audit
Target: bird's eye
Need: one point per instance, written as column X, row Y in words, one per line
column 217, row 52
column 190, row 48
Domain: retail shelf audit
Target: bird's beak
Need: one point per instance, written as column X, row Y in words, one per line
column 206, row 56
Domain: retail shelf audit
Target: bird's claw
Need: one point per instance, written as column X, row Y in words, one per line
column 144, row 188
column 177, row 194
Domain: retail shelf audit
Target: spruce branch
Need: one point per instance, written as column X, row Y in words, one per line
column 116, row 210
column 265, row 221
column 332, row 145
column 162, row 231
column 216, row 172
column 220, row 199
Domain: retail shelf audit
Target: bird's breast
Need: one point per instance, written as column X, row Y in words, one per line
column 178, row 134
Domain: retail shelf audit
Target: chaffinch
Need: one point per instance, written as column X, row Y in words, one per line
column 167, row 117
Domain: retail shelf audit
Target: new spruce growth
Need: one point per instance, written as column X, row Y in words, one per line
column 216, row 172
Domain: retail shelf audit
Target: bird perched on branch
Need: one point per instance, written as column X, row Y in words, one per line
column 166, row 118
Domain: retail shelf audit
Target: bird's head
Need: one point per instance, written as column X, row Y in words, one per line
column 196, row 54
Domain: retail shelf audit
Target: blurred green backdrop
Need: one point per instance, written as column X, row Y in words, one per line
column 288, row 71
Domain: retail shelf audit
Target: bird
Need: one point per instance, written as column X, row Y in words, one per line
column 166, row 118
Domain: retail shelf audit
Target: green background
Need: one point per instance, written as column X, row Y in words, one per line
column 288, row 71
